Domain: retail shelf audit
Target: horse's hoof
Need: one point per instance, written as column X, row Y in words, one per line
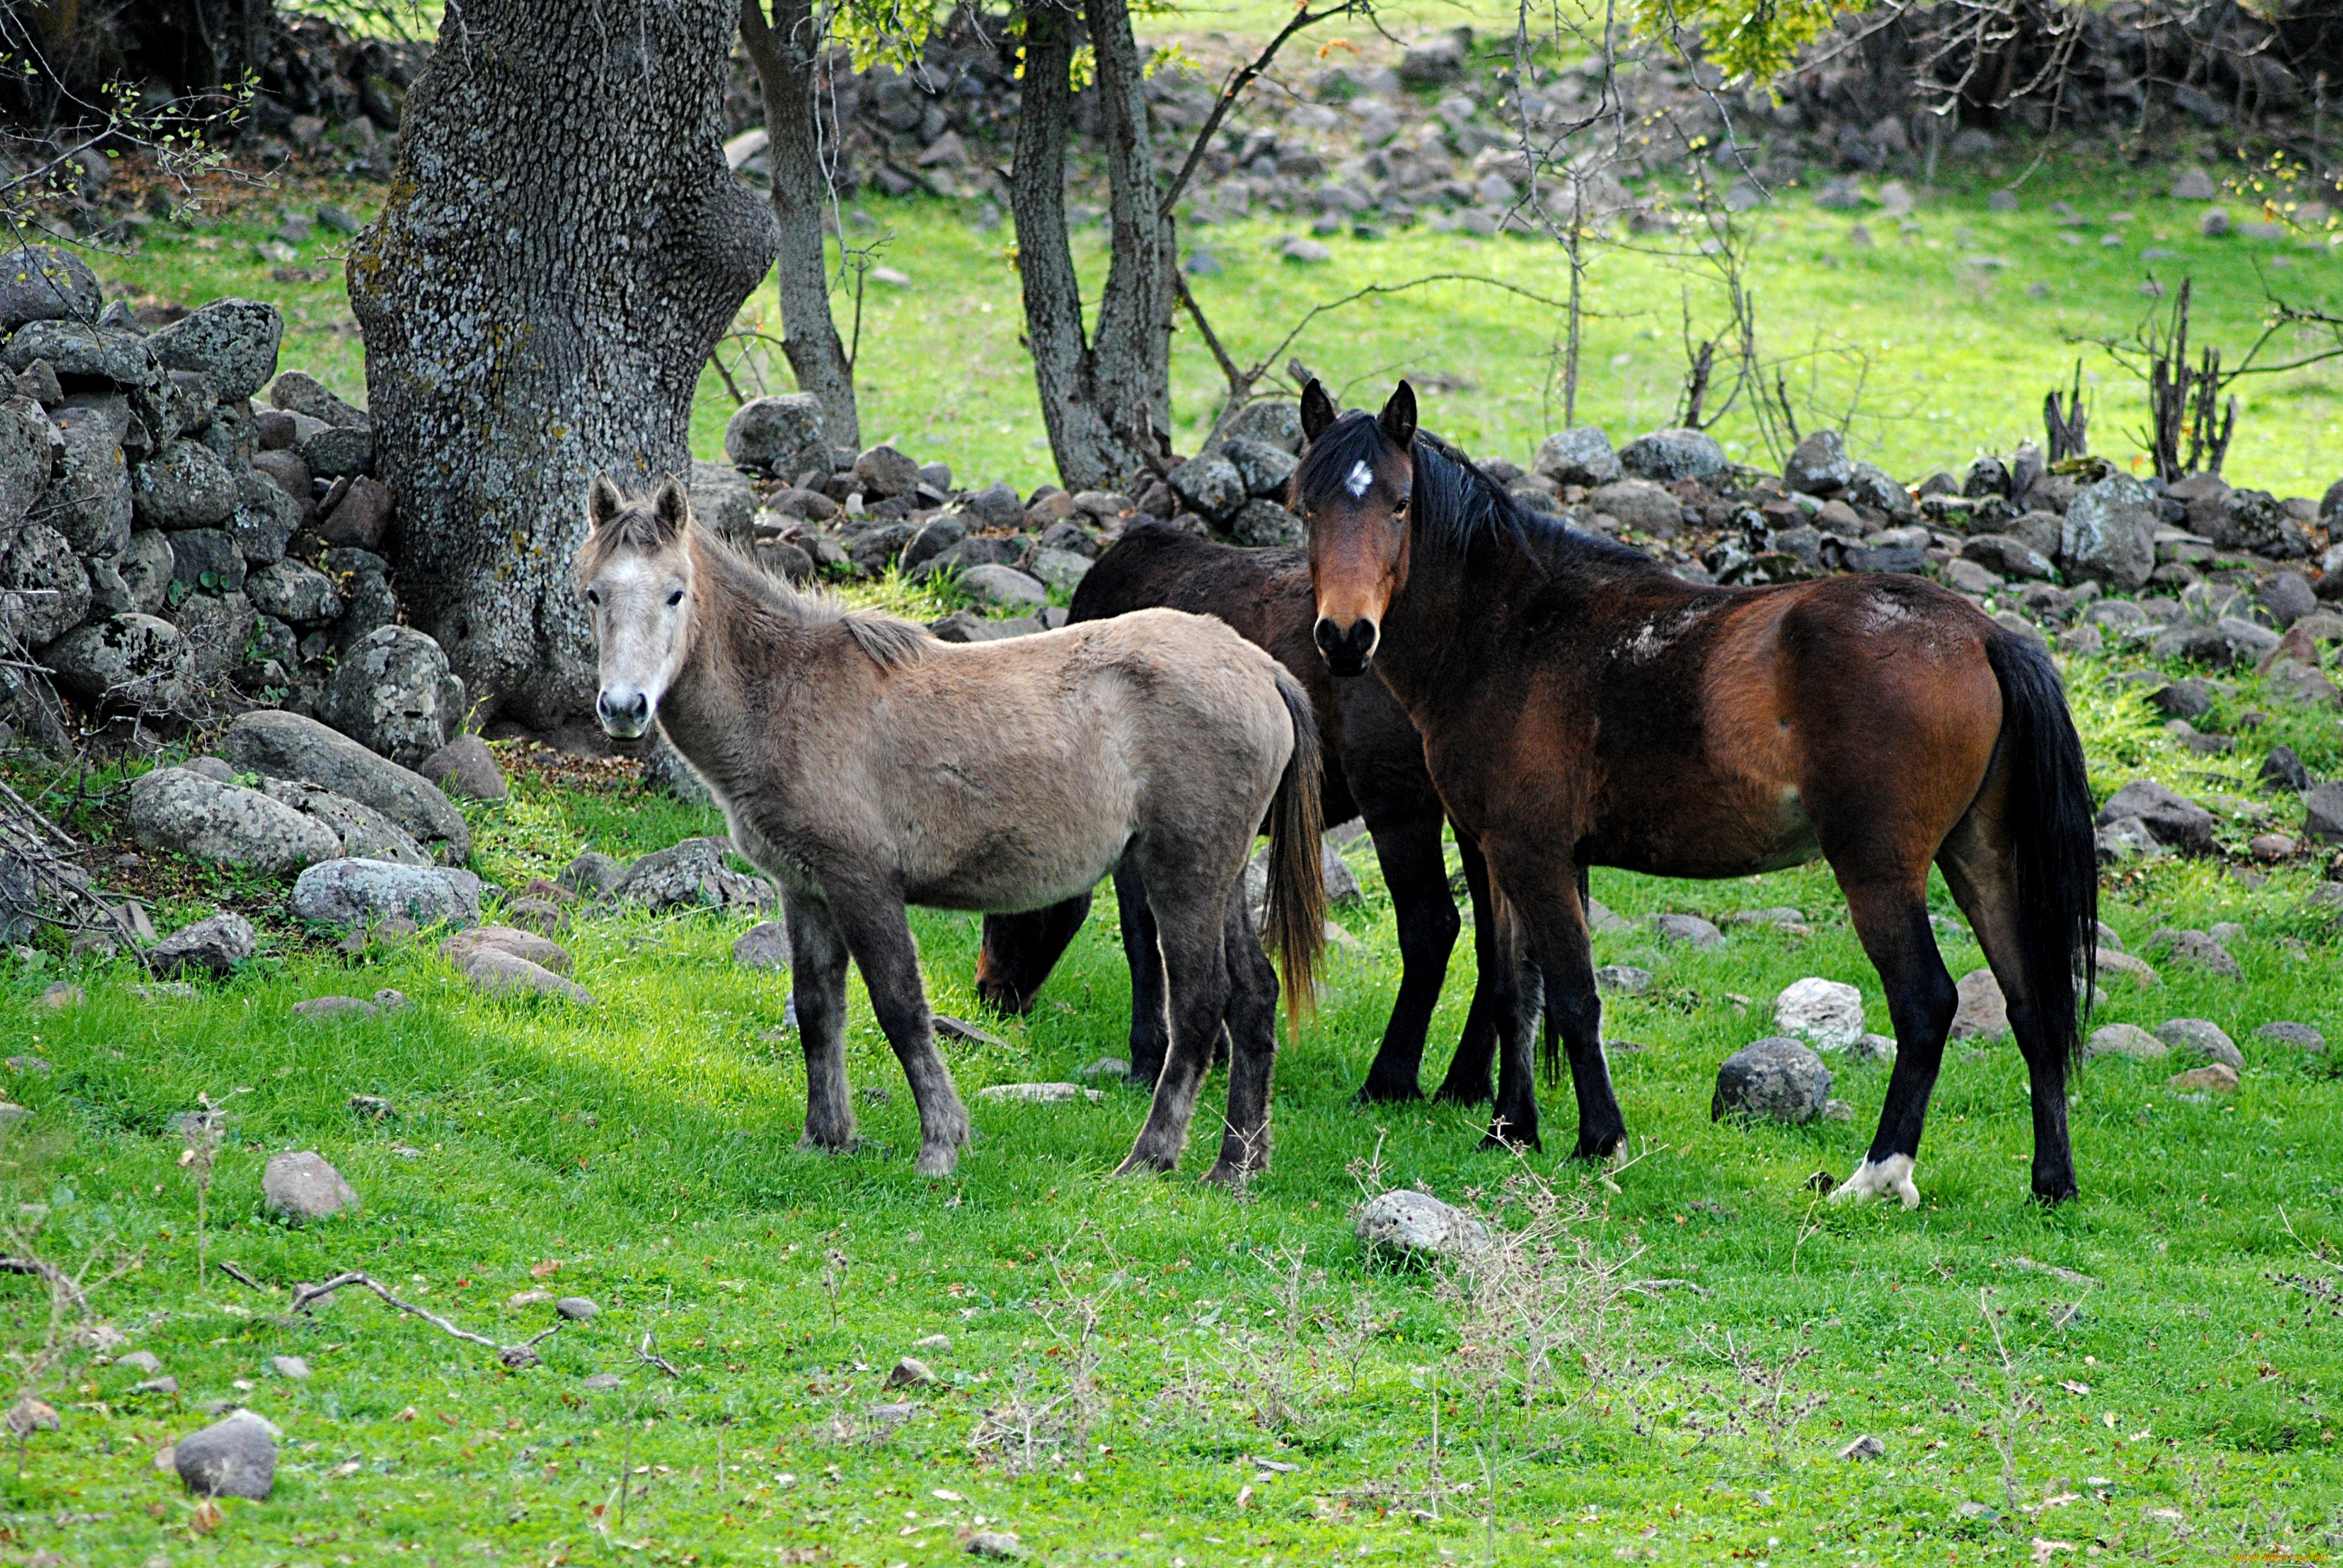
column 1502, row 1140
column 938, row 1159
column 809, row 1144
column 1373, row 1093
column 1143, row 1165
column 2050, row 1194
column 1228, row 1173
column 1464, row 1094
column 1872, row 1180
column 1604, row 1152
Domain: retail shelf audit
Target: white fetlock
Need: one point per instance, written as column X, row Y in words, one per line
column 1878, row 1180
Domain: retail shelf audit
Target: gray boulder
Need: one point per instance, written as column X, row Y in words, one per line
column 723, row 501
column 591, row 875
column 2012, row 557
column 215, row 945
column 146, row 565
column 1579, row 455
column 395, row 693
column 1668, row 456
column 338, row 451
column 1641, row 505
column 179, row 810
column 690, row 875
column 235, row 1458
column 218, row 628
column 883, row 471
column 1869, row 485
column 2125, row 1040
column 1005, row 588
column 1264, row 469
column 41, row 283
column 364, row 832
column 2259, row 521
column 265, row 519
column 2288, row 596
column 361, row 518
column 1212, row 485
column 296, row 593
column 89, row 496
column 232, row 341
column 298, row 392
column 280, row 745
column 1276, row 422
column 1691, row 928
column 995, row 506
column 206, row 560
column 183, row 486
column 118, row 356
column 2202, row 1037
column 355, row 892
column 363, row 579
column 1060, row 569
column 465, row 767
column 1820, row 466
column 1406, row 1222
column 2301, row 1036
column 303, row 1186
column 763, row 946
column 24, row 458
column 781, row 436
column 2109, row 535
column 2322, row 814
column 48, row 580
column 1263, row 525
column 1777, row 1078
column 129, row 661
column 2177, row 821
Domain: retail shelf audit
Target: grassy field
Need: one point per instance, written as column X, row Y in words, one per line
column 1120, row 1358
column 1942, row 341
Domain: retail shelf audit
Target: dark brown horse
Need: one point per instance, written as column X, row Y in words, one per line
column 1373, row 767
column 1581, row 705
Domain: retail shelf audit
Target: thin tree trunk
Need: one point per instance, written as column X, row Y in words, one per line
column 561, row 248
column 787, row 56
column 1102, row 400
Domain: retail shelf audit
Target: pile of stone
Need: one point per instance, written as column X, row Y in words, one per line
column 168, row 545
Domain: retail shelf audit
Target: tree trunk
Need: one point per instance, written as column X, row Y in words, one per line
column 787, row 56
column 1104, row 400
column 561, row 248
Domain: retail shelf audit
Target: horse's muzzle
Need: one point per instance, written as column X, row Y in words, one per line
column 625, row 715
column 1347, row 652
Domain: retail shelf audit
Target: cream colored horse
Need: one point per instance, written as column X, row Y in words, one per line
column 866, row 765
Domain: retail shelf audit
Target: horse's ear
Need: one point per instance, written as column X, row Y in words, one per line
column 1317, row 410
column 603, row 502
column 1398, row 417
column 672, row 507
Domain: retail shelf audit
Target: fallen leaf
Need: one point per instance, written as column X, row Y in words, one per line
column 206, row 1517
column 545, row 1270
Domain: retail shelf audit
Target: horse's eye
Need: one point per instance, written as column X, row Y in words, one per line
column 675, row 599
column 593, row 596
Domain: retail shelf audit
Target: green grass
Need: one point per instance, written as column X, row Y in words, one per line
column 1939, row 355
column 648, row 1145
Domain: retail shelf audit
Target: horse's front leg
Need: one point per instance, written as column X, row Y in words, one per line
column 879, row 936
column 1544, row 898
column 818, row 989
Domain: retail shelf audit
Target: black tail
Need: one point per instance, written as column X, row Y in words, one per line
column 1296, row 916
column 2053, row 844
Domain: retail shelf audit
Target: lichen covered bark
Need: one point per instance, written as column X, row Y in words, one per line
column 561, row 246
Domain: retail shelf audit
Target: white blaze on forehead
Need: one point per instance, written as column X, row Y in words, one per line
column 1359, row 480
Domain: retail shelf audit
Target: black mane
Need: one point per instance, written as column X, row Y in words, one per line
column 1458, row 507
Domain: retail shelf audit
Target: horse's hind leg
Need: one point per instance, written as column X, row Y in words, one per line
column 1151, row 1026
column 818, row 989
column 1467, row 1082
column 1251, row 1019
column 1978, row 870
column 1891, row 916
column 1020, row 949
column 1425, row 912
column 1188, row 931
column 879, row 937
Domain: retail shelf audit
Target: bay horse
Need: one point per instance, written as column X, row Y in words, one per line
column 1372, row 762
column 1582, row 705
column 865, row 765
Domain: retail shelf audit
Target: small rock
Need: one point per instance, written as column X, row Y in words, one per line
column 357, row 893
column 539, row 951
column 1037, row 1093
column 1107, row 1066
column 889, row 1414
column 1410, row 1222
column 909, row 1372
column 165, row 1385
column 602, row 1383
column 999, row 1544
column 532, row 1297
column 2198, row 947
column 235, row 1458
column 1601, row 919
column 35, row 1064
column 2204, row 1037
column 764, row 946
column 1776, row 1078
column 576, row 1309
column 2116, row 961
column 334, row 1007
column 1827, row 1013
column 27, row 1416
column 2295, row 1034
column 216, row 946
column 303, row 1186
column 932, row 1343
column 967, row 1033
column 389, row 1000
column 2219, row 1078
column 499, row 973
column 139, row 1360
column 2124, row 1039
column 1687, row 929
column 1865, row 1447
column 1623, row 980
column 292, row 1367
column 465, row 766
column 372, row 1108
column 57, row 993
column 1875, row 1047
column 1004, row 587
column 1983, row 1010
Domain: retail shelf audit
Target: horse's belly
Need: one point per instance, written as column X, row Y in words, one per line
column 1750, row 832
column 1021, row 871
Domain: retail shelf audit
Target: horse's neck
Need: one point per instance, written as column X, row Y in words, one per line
column 741, row 663
column 1445, row 605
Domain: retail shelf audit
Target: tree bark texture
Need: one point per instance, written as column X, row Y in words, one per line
column 1105, row 397
column 788, row 53
column 561, row 246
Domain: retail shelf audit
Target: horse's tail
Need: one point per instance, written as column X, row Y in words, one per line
column 2051, row 841
column 1295, row 922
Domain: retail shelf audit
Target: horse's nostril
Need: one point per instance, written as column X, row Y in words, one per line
column 1326, row 635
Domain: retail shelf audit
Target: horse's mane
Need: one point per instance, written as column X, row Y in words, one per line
column 1457, row 507
column 889, row 640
